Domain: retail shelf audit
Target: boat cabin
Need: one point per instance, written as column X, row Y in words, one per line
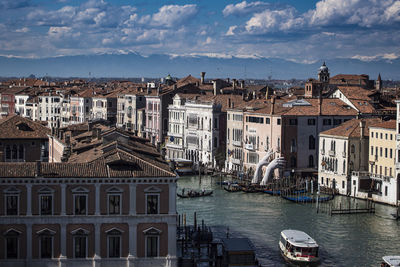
column 298, row 246
column 390, row 261
column 238, row 252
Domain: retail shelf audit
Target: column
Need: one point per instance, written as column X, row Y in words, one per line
column 29, row 200
column 63, row 247
column 29, row 244
column 63, row 199
column 172, row 240
column 97, row 239
column 132, row 239
column 172, row 198
column 132, row 199
column 97, row 200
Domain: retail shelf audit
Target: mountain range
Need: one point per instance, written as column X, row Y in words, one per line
column 159, row 65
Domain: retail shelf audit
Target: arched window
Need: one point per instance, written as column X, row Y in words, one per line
column 14, row 152
column 311, row 161
column 311, row 142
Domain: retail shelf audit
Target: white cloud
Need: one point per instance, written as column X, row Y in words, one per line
column 23, row 29
column 243, row 8
column 273, row 20
column 231, row 30
column 171, row 15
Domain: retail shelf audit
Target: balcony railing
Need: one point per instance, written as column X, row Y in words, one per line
column 332, row 153
column 344, row 154
column 249, row 146
column 236, row 161
column 322, row 152
column 397, row 137
column 237, row 143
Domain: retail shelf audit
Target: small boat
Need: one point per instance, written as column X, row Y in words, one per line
column 273, row 192
column 298, row 247
column 390, row 261
column 232, row 188
column 194, row 194
column 307, row 199
column 226, row 182
column 249, row 189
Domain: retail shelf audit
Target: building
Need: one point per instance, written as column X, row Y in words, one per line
column 80, row 107
column 129, row 102
column 176, row 139
column 104, row 106
column 7, row 99
column 343, row 149
column 50, row 106
column 113, row 205
column 22, row 140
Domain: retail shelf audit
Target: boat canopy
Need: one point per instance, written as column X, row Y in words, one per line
column 392, row 260
column 299, row 239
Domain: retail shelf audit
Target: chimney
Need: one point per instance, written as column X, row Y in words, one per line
column 272, row 105
column 38, row 171
column 174, row 86
column 229, row 102
column 234, row 84
column 215, row 87
column 158, row 90
column 242, row 84
column 197, row 84
column 319, row 105
column 202, row 74
column 362, row 129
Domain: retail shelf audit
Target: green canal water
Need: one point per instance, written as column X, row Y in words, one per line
column 344, row 240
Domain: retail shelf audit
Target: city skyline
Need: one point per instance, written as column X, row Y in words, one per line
column 299, row 31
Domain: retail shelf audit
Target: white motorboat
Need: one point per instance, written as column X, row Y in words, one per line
column 298, row 247
column 390, row 261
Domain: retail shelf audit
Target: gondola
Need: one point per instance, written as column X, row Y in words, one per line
column 306, row 199
column 232, row 188
column 195, row 194
column 249, row 190
column 278, row 192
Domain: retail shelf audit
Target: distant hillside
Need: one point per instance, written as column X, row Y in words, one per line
column 135, row 65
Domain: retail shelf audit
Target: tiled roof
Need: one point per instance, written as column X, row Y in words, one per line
column 359, row 97
column 351, row 128
column 391, row 124
column 329, row 107
column 17, row 127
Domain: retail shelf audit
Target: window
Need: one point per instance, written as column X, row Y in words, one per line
column 386, row 152
column 311, row 142
column 12, row 243
column 293, row 162
column 278, row 121
column 152, row 236
column 342, row 184
column 267, row 121
column 372, row 150
column 152, row 204
column 292, row 121
column 311, row 161
column 11, row 204
column 391, row 153
column 46, row 201
column 114, row 243
column 337, row 121
column 46, row 243
column 80, row 242
column 322, row 180
column 255, row 119
column 311, row 122
column 352, row 149
column 114, row 204
column 386, row 190
column 80, row 202
column 327, row 122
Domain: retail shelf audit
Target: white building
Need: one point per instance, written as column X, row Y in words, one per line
column 176, row 127
column 50, row 105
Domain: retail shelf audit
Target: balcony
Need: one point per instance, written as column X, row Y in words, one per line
column 237, row 143
column 397, row 165
column 249, row 147
column 322, row 152
column 344, row 154
column 331, row 153
column 397, row 137
column 175, row 134
column 236, row 161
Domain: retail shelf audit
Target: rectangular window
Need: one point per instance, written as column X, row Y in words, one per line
column 342, row 184
column 311, row 122
column 12, row 247
column 292, row 121
column 80, row 246
column 114, row 246
column 337, row 121
column 114, row 204
column 11, row 204
column 152, row 246
column 372, row 150
column 255, row 119
column 267, row 121
column 386, row 152
column 391, row 153
column 278, row 121
column 386, row 190
column 152, row 204
column 327, row 122
column 46, row 204
column 46, row 245
column 80, row 204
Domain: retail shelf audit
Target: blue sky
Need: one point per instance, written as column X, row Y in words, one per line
column 298, row 30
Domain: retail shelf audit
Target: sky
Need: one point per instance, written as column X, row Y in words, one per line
column 298, row 30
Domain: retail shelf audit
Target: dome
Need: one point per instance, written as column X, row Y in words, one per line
column 323, row 68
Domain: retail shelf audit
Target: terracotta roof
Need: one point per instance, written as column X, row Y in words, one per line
column 17, row 127
column 385, row 124
column 351, row 128
column 329, row 107
column 359, row 97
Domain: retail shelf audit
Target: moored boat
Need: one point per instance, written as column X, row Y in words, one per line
column 194, row 194
column 298, row 247
column 390, row 261
column 232, row 188
column 307, row 199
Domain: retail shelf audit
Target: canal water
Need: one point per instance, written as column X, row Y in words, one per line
column 344, row 240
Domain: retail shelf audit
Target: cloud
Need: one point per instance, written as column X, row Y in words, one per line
column 231, row 30
column 12, row 4
column 171, row 15
column 24, row 29
column 243, row 8
column 273, row 20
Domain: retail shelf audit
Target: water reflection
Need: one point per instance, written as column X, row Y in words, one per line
column 345, row 240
